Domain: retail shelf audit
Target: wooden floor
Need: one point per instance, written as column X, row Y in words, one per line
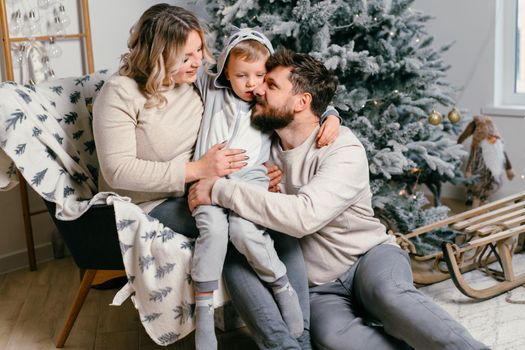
column 34, row 305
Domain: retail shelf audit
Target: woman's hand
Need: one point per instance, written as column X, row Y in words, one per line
column 218, row 161
column 328, row 132
column 275, row 174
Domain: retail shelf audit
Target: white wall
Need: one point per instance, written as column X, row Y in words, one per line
column 471, row 58
column 471, row 24
column 110, row 25
column 111, row 22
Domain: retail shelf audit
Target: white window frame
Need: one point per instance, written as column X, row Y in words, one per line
column 506, row 46
column 506, row 101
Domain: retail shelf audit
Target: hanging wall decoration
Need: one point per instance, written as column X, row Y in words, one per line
column 30, row 19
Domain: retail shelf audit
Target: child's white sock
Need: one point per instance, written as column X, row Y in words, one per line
column 288, row 303
column 205, row 338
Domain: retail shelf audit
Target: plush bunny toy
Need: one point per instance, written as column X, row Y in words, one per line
column 487, row 160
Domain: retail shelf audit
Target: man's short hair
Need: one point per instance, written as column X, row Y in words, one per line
column 307, row 75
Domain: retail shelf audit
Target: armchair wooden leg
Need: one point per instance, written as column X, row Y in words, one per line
column 82, row 293
column 28, row 228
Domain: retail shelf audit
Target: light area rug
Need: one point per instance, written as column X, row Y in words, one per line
column 498, row 322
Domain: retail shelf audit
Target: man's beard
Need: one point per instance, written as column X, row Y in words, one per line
column 270, row 118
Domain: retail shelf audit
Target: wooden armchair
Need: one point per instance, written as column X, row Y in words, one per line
column 93, row 242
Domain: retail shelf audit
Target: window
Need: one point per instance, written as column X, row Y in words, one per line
column 511, row 66
column 520, row 44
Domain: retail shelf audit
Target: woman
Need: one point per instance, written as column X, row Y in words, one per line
column 145, row 123
column 147, row 116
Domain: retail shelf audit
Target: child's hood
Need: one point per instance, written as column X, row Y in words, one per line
column 236, row 37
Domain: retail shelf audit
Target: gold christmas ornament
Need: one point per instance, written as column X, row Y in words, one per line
column 435, row 118
column 454, row 116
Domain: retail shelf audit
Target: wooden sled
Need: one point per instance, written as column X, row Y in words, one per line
column 488, row 234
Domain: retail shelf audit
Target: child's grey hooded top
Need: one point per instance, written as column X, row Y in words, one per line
column 226, row 116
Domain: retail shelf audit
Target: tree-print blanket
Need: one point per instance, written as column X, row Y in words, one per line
column 45, row 133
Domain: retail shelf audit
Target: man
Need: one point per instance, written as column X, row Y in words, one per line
column 361, row 290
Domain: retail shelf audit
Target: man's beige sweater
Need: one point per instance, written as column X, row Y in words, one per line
column 326, row 202
column 142, row 152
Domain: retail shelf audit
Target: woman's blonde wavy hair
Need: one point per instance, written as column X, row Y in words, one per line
column 156, row 49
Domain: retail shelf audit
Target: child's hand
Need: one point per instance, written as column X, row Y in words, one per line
column 275, row 174
column 328, row 132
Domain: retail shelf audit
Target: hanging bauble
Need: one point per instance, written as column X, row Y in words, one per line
column 435, row 118
column 454, row 116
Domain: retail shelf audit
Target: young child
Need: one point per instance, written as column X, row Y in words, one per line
column 227, row 97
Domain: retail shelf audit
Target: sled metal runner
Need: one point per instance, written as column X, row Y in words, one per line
column 488, row 237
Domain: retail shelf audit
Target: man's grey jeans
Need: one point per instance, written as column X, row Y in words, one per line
column 374, row 305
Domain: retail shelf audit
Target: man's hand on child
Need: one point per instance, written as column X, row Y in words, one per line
column 275, row 174
column 200, row 192
column 328, row 132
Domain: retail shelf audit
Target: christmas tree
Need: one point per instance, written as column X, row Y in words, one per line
column 391, row 79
